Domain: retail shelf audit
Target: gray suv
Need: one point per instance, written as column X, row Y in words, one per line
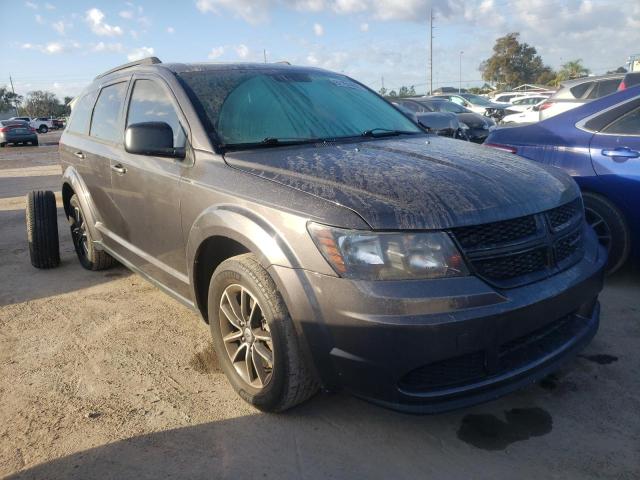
column 327, row 240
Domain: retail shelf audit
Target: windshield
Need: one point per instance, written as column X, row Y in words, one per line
column 273, row 106
column 476, row 99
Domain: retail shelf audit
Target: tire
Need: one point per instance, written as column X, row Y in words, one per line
column 42, row 229
column 43, row 129
column 288, row 381
column 3, row 144
column 35, row 143
column 90, row 258
column 611, row 227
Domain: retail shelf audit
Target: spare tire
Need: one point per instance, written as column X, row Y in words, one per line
column 42, row 229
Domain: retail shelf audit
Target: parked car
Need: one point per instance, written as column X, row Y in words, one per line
column 477, row 104
column 599, row 145
column 530, row 115
column 574, row 93
column 442, row 124
column 524, row 103
column 57, row 123
column 510, row 97
column 17, row 132
column 41, row 124
column 473, row 126
column 325, row 238
column 630, row 79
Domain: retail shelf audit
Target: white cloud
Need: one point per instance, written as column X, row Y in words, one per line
column 95, row 19
column 252, row 11
column 60, row 26
column 48, row 6
column 216, row 52
column 318, row 29
column 39, row 19
column 31, row 5
column 364, row 27
column 171, row 30
column 242, row 51
column 107, row 47
column 51, row 48
column 138, row 53
column 127, row 14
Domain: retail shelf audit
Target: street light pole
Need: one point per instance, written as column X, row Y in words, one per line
column 460, row 74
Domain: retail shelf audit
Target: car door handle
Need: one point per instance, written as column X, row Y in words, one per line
column 119, row 169
column 624, row 152
column 80, row 155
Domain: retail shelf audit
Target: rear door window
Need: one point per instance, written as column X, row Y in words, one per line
column 81, row 113
column 628, row 124
column 604, row 87
column 150, row 103
column 106, row 114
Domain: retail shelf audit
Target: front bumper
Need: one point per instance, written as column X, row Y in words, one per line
column 431, row 346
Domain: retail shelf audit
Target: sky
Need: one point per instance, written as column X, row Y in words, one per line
column 61, row 45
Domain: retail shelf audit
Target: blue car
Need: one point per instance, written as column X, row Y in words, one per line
column 599, row 145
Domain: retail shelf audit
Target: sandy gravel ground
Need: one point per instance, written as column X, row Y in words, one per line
column 104, row 376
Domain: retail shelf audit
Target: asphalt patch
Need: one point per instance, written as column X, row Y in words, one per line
column 488, row 432
column 601, row 358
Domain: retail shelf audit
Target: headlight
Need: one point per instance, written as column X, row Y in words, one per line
column 367, row 255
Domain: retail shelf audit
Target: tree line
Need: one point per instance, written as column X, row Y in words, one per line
column 38, row 103
column 514, row 63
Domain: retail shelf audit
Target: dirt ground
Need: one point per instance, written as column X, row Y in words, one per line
column 104, row 376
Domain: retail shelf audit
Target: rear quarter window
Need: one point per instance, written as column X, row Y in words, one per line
column 105, row 123
column 578, row 91
column 81, row 113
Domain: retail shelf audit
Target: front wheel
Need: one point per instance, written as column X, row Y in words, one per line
column 90, row 258
column 254, row 338
column 610, row 227
column 43, row 129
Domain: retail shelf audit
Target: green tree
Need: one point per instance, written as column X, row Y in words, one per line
column 572, row 69
column 8, row 99
column 382, row 91
column 393, row 93
column 41, row 103
column 618, row 70
column 512, row 63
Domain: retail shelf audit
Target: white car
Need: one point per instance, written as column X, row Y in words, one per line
column 41, row 124
column 523, row 104
column 531, row 114
column 512, row 97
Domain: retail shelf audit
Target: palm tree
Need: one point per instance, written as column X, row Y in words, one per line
column 572, row 69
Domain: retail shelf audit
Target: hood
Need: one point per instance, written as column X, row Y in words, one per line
column 473, row 120
column 423, row 182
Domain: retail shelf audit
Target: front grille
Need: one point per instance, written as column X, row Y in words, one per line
column 568, row 246
column 514, row 252
column 564, row 214
column 448, row 372
column 490, row 234
column 516, row 265
column 510, row 356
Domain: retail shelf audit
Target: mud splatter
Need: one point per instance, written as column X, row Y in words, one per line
column 205, row 361
column 488, row 432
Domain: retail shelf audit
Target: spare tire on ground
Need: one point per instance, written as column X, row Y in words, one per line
column 42, row 229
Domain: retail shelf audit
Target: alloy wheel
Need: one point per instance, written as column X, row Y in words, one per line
column 246, row 336
column 79, row 232
column 598, row 223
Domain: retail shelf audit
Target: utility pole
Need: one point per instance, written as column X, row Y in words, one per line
column 431, row 51
column 460, row 73
column 264, row 53
column 15, row 100
column 382, row 81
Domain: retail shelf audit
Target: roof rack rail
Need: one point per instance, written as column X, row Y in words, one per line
column 143, row 61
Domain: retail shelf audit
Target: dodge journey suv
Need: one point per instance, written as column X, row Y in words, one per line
column 327, row 240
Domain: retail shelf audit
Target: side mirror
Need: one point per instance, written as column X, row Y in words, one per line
column 151, row 138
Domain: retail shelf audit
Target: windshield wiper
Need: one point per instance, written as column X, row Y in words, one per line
column 386, row 132
column 273, row 142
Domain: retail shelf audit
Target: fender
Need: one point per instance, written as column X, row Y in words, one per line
column 73, row 179
column 243, row 226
